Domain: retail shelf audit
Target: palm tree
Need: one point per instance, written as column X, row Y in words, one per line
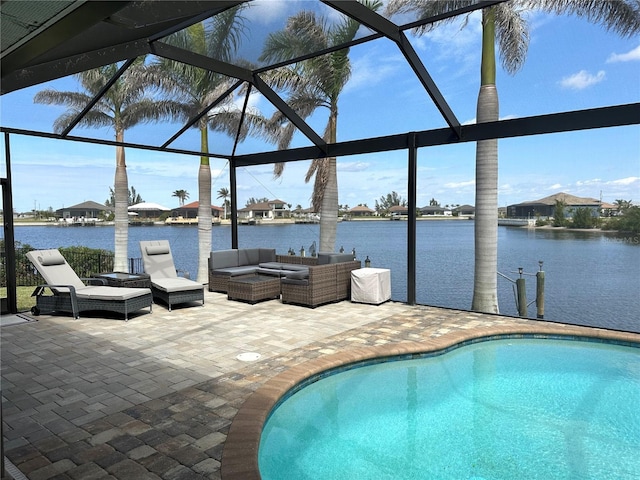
column 133, row 197
column 224, row 194
column 124, row 105
column 314, row 83
column 505, row 24
column 195, row 89
column 182, row 196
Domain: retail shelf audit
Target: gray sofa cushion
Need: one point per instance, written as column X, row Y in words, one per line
column 276, row 272
column 326, row 258
column 235, row 271
column 248, row 256
column 223, row 259
column 271, row 265
column 300, row 275
column 295, row 268
column 267, row 255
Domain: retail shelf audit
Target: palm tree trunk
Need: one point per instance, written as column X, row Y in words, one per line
column 485, row 285
column 329, row 208
column 204, row 210
column 121, row 194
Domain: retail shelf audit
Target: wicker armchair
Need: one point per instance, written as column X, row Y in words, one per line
column 317, row 289
column 326, row 283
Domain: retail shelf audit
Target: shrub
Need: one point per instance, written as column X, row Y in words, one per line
column 583, row 218
column 628, row 222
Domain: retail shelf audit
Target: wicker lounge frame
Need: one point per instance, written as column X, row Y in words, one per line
column 68, row 293
column 69, row 302
column 166, row 285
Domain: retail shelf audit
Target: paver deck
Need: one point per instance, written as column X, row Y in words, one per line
column 155, row 397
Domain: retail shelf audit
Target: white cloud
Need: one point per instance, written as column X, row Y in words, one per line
column 457, row 35
column 353, row 166
column 555, row 186
column 266, row 12
column 583, row 183
column 582, row 80
column 372, row 69
column 624, row 181
column 468, row 183
column 630, row 56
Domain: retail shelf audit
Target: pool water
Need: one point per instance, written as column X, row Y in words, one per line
column 499, row 409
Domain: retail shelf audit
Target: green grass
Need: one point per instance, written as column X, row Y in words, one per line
column 25, row 300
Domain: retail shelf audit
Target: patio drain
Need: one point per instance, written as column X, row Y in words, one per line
column 248, row 357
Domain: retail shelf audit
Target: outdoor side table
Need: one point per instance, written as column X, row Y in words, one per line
column 371, row 285
column 123, row 279
column 253, row 288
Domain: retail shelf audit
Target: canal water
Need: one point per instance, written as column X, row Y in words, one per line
column 592, row 278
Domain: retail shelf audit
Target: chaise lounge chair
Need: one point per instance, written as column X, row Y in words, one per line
column 70, row 294
column 166, row 285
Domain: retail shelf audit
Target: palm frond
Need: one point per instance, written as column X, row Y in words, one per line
column 225, row 35
column 75, row 100
column 426, row 9
column 148, row 110
column 512, row 35
column 620, row 16
column 303, row 34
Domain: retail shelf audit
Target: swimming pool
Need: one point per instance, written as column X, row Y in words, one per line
column 511, row 408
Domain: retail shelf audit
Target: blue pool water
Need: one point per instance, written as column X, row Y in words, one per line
column 500, row 409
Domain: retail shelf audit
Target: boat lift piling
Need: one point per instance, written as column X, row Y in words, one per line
column 520, row 291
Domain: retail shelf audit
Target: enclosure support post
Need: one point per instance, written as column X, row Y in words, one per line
column 9, row 240
column 411, row 220
column 234, row 203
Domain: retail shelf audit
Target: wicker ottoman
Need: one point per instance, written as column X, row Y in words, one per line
column 253, row 288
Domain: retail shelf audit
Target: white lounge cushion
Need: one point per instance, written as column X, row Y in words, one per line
column 110, row 293
column 177, row 284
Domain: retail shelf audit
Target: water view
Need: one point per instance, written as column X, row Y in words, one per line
column 592, row 278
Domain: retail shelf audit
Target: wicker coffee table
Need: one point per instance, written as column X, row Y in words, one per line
column 253, row 288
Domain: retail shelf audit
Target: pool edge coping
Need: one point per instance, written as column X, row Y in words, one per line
column 240, row 455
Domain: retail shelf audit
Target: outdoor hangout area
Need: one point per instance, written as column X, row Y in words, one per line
column 170, row 395
column 153, row 373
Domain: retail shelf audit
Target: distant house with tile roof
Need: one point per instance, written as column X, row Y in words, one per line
column 464, row 210
column 545, row 207
column 85, row 210
column 361, row 211
column 190, row 210
column 435, row 210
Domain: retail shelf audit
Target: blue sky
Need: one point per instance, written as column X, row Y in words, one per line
column 571, row 64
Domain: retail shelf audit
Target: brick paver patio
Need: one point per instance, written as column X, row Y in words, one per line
column 155, row 397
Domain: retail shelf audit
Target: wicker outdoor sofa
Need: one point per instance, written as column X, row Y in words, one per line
column 308, row 281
